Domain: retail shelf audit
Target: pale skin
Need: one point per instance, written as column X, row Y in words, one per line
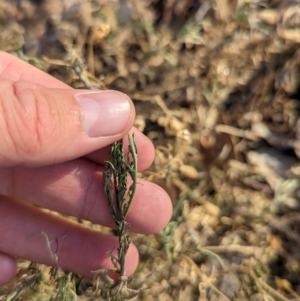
column 48, row 161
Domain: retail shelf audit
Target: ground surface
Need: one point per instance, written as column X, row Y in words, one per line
column 216, row 88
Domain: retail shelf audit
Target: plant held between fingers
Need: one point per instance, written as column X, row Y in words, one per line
column 119, row 197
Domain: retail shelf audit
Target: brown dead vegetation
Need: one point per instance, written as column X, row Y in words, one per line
column 216, row 88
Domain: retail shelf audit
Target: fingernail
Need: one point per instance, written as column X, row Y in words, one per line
column 105, row 113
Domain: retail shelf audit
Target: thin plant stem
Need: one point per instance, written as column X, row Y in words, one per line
column 118, row 195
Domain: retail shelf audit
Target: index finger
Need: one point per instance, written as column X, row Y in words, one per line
column 14, row 69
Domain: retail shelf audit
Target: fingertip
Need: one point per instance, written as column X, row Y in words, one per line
column 146, row 149
column 131, row 264
column 151, row 209
column 132, row 260
column 8, row 268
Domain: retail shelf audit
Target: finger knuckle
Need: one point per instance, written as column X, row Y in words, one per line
column 28, row 121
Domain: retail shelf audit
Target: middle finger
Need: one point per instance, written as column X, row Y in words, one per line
column 75, row 188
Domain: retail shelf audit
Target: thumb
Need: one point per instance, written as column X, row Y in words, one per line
column 41, row 126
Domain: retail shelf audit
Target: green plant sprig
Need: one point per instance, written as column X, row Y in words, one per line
column 119, row 196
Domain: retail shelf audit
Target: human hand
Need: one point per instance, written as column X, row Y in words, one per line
column 54, row 140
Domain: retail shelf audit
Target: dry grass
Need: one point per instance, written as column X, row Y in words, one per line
column 216, row 88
